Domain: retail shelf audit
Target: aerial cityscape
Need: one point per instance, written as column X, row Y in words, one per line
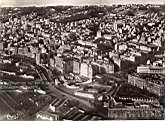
column 82, row 62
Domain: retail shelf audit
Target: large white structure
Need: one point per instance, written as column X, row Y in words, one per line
column 86, row 70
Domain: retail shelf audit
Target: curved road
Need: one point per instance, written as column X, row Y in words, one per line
column 54, row 90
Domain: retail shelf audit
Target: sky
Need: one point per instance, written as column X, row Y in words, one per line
column 19, row 3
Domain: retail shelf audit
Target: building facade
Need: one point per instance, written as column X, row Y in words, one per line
column 150, row 69
column 158, row 89
column 135, row 113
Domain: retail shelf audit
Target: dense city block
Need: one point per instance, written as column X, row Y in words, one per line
column 82, row 62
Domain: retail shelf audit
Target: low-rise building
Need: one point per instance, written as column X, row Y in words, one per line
column 154, row 86
column 150, row 69
column 135, row 113
column 22, row 51
column 44, row 115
